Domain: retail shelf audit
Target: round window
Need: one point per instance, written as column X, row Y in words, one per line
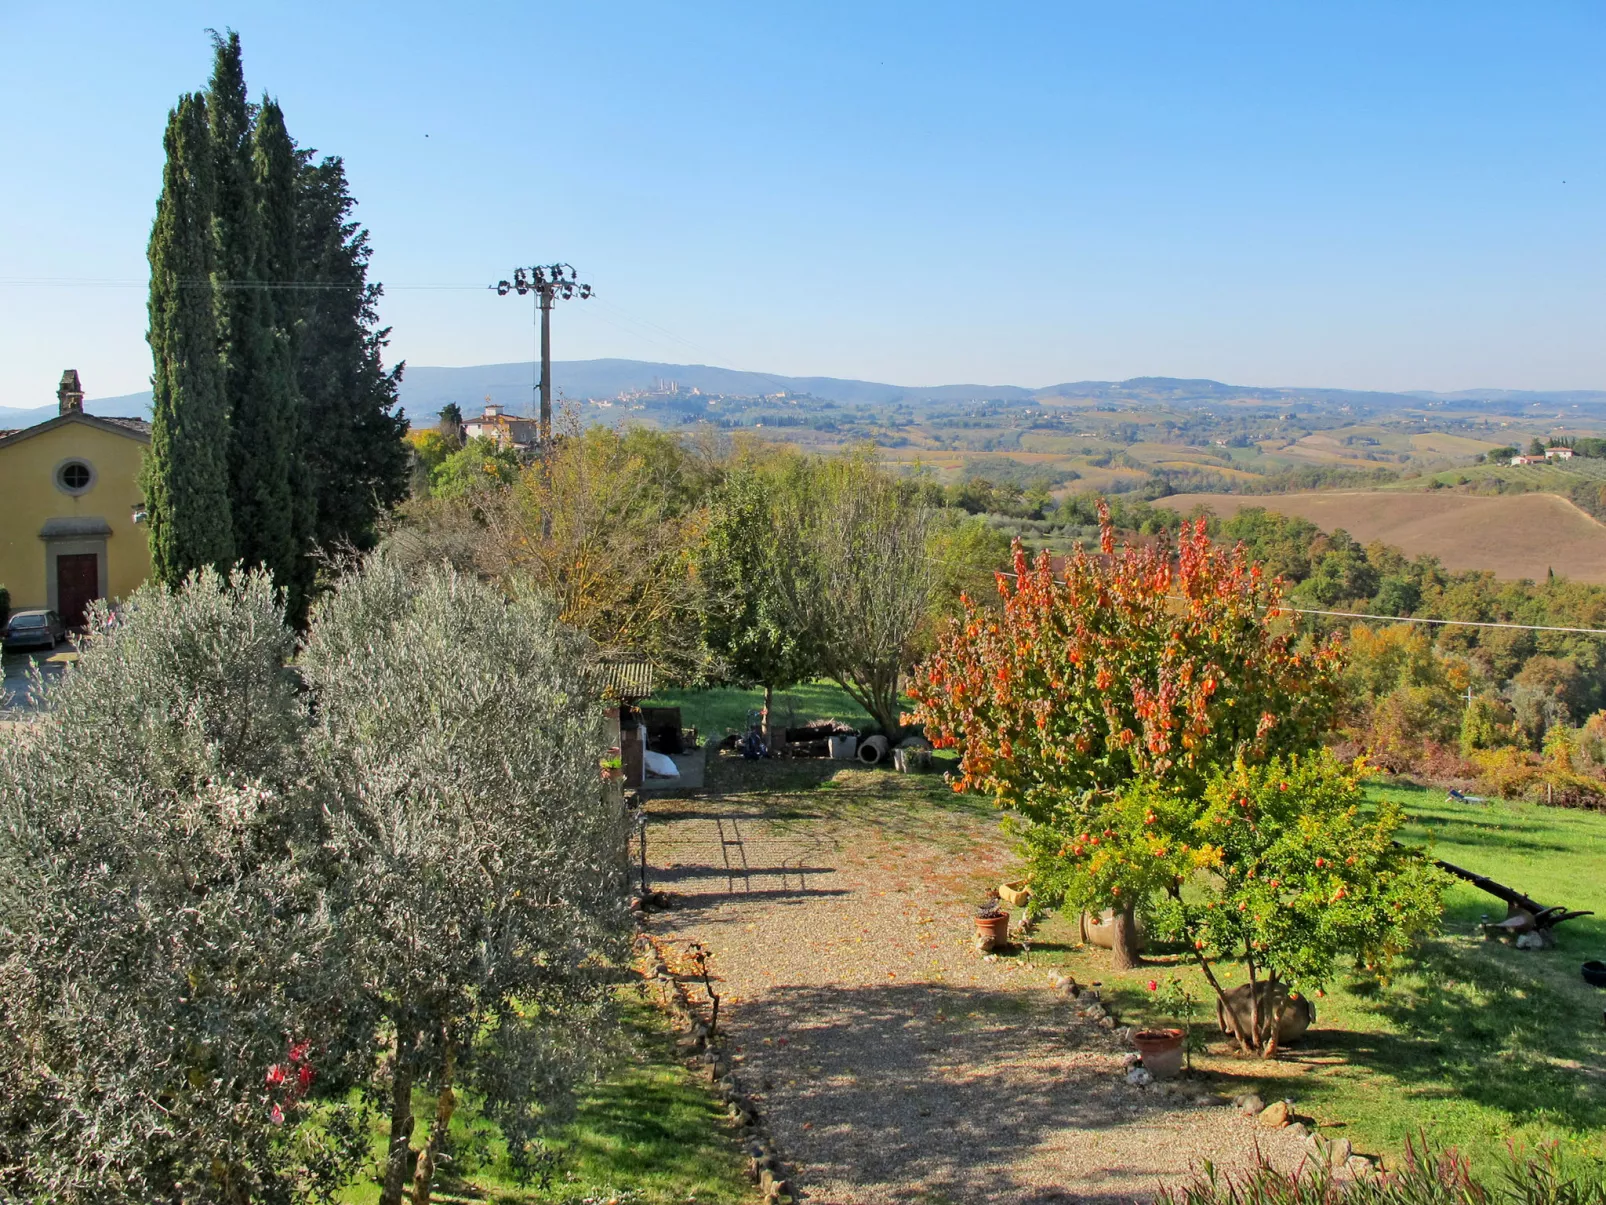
column 75, row 476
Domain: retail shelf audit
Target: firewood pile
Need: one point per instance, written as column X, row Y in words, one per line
column 812, row 740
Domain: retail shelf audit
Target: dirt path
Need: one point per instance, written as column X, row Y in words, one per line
column 895, row 1063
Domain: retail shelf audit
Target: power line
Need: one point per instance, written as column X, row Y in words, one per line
column 651, row 330
column 1462, row 623
column 193, row 282
column 1457, row 623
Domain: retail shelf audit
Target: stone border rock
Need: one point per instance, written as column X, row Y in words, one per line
column 1336, row 1154
column 1088, row 1002
column 765, row 1165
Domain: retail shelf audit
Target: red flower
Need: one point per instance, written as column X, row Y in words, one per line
column 1153, row 986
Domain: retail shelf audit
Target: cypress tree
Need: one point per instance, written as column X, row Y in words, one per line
column 257, row 367
column 275, row 167
column 185, row 473
column 292, row 403
column 356, row 456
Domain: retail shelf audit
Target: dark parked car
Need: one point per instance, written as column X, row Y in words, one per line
column 34, row 630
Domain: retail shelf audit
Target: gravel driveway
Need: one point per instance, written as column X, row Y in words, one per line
column 894, row 1062
column 15, row 705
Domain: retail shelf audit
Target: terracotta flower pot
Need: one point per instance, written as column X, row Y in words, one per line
column 1100, row 930
column 992, row 931
column 1016, row 894
column 1161, row 1050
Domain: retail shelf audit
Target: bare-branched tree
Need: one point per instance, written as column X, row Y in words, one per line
column 861, row 579
column 606, row 526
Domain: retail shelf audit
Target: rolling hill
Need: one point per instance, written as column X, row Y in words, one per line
column 1512, row 535
column 426, row 388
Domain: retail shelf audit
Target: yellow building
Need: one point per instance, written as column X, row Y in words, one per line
column 71, row 510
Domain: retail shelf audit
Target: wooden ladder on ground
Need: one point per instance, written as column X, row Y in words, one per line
column 726, row 843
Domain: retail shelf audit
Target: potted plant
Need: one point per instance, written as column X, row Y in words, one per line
column 1161, row 1050
column 992, row 926
column 613, row 775
column 1167, row 1048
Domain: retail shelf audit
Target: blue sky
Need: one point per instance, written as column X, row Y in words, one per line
column 1386, row 196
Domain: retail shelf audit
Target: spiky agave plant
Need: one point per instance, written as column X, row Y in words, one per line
column 1428, row 1174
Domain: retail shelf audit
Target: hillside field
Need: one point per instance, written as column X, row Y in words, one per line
column 1513, row 535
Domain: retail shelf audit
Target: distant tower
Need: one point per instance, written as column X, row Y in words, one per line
column 70, row 394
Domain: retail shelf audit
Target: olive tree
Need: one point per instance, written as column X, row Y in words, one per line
column 169, row 972
column 483, row 870
column 857, row 575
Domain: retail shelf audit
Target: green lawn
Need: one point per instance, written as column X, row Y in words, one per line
column 650, row 1134
column 1477, row 1042
column 715, row 712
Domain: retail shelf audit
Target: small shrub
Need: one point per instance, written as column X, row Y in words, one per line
column 1442, row 763
column 1513, row 773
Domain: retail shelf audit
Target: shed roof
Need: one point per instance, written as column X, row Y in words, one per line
column 623, row 678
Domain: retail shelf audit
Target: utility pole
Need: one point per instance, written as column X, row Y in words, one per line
column 549, row 283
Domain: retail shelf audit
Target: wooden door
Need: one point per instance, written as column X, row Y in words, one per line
column 77, row 585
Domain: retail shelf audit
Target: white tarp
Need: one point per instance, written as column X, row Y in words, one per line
column 659, row 765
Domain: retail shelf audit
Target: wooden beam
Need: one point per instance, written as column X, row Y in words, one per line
column 1544, row 917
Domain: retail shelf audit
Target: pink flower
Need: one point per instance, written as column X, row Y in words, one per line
column 277, row 1114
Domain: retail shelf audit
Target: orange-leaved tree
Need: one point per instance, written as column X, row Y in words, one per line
column 1155, row 663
